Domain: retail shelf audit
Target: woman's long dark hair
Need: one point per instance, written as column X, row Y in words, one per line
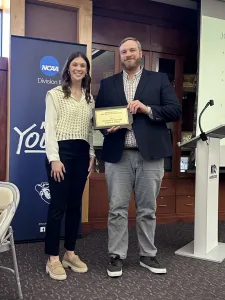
column 66, row 80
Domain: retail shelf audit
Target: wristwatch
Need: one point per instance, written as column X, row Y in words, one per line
column 149, row 112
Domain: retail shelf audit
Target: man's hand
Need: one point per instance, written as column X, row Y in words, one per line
column 136, row 106
column 113, row 129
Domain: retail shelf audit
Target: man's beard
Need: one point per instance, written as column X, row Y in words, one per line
column 132, row 66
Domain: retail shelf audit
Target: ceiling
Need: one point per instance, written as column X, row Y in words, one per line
column 192, row 4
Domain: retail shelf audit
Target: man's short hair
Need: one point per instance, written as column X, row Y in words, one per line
column 131, row 39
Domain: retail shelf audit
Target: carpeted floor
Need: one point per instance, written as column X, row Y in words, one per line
column 187, row 278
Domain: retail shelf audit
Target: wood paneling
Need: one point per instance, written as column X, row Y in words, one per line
column 132, row 208
column 166, row 205
column 185, row 187
column 172, row 29
column 185, row 204
column 3, row 116
column 49, row 22
column 176, row 41
column 166, row 38
column 98, row 197
column 17, row 17
column 86, row 228
column 85, row 26
column 84, row 8
column 148, row 11
column 151, row 37
column 119, row 29
column 85, row 201
column 167, row 187
column 99, row 203
column 170, row 208
column 98, row 11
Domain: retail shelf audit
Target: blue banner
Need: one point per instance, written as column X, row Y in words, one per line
column 36, row 67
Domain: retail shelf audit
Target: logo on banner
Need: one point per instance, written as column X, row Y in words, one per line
column 49, row 65
column 213, row 172
column 32, row 141
column 42, row 227
column 43, row 191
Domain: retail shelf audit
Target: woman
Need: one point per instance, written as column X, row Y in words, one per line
column 70, row 158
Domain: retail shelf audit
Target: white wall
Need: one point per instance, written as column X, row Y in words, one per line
column 212, row 66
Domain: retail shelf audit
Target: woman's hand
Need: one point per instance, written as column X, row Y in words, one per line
column 91, row 164
column 57, row 170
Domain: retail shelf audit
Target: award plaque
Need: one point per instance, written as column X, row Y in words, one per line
column 108, row 117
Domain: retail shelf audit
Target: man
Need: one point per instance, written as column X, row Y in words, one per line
column 134, row 159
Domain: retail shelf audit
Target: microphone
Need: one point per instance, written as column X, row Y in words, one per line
column 203, row 135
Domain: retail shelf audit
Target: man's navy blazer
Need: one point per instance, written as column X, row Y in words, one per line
column 152, row 136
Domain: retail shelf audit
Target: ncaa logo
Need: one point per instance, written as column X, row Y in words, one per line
column 49, row 65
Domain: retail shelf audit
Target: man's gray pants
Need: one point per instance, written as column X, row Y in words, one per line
column 133, row 173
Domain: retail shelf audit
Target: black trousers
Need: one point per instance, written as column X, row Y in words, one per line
column 66, row 196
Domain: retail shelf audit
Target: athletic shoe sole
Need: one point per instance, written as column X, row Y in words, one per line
column 154, row 270
column 114, row 274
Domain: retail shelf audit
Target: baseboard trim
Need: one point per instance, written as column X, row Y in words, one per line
column 101, row 223
column 86, row 228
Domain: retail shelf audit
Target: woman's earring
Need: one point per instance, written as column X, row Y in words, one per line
column 68, row 72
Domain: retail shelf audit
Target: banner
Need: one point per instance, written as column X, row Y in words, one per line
column 36, row 67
